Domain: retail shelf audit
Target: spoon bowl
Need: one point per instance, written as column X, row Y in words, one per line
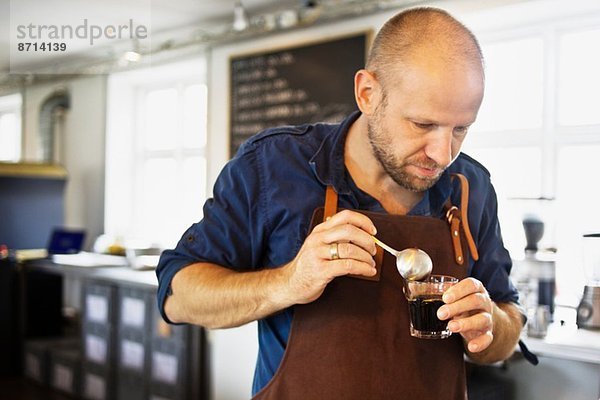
column 413, row 264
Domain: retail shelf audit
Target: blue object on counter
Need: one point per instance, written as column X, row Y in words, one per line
column 66, row 241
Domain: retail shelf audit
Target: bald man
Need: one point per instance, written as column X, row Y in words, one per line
column 287, row 239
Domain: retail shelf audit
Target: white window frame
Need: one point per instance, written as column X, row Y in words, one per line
column 179, row 153
column 13, row 104
column 125, row 153
column 551, row 136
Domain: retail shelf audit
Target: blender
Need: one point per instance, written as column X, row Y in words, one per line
column 588, row 311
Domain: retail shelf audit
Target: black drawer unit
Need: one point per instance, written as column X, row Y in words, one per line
column 97, row 383
column 167, row 360
column 133, row 342
column 126, row 351
column 99, row 303
column 37, row 356
column 132, row 386
column 135, row 308
column 11, row 338
column 178, row 369
column 36, row 361
column 164, row 332
column 133, row 351
column 99, row 344
column 168, row 363
column 65, row 371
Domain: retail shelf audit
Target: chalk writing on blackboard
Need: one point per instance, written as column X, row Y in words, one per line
column 310, row 83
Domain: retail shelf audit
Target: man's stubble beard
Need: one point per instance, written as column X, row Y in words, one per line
column 397, row 169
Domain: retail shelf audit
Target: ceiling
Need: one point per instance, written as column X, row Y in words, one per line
column 175, row 21
column 160, row 16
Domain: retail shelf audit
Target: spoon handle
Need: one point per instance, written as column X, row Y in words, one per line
column 385, row 247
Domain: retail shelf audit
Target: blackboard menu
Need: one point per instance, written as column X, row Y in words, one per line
column 310, row 83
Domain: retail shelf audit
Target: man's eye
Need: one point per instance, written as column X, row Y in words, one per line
column 423, row 126
column 461, row 130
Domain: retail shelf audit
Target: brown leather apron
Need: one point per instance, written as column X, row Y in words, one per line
column 354, row 341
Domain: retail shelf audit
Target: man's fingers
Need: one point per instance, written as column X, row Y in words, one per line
column 473, row 302
column 463, row 289
column 359, row 220
column 346, row 251
column 477, row 322
column 349, row 233
column 481, row 342
column 349, row 266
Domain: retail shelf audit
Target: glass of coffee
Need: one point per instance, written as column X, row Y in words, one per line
column 424, row 298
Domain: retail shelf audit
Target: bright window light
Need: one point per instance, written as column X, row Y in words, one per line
column 579, row 78
column 514, row 94
column 10, row 128
column 160, row 119
column 194, row 117
column 513, row 180
column 156, row 152
column 577, row 198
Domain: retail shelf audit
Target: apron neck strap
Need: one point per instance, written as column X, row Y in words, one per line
column 464, row 207
column 331, row 200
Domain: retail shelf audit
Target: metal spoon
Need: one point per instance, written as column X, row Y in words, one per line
column 413, row 264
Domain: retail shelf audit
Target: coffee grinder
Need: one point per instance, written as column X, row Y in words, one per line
column 588, row 311
column 535, row 275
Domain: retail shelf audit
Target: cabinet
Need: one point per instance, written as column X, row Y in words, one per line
column 10, row 320
column 125, row 350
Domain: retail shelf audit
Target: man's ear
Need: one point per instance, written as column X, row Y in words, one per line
column 367, row 91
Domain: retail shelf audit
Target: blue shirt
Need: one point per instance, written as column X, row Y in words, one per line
column 263, row 202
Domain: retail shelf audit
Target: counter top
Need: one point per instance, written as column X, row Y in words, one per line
column 566, row 341
column 110, row 273
column 562, row 341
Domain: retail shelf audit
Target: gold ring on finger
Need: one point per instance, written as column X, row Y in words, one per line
column 334, row 251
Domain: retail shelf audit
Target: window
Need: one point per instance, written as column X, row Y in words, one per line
column 578, row 199
column 171, row 162
column 156, row 152
column 10, row 128
column 514, row 85
column 538, row 132
column 579, row 78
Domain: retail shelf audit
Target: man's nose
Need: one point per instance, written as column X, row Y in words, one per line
column 439, row 146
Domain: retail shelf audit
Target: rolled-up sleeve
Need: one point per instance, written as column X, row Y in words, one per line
column 232, row 230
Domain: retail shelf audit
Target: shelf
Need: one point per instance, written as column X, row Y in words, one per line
column 32, row 170
column 113, row 274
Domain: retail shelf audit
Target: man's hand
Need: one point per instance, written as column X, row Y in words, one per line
column 490, row 330
column 470, row 309
column 341, row 245
column 214, row 296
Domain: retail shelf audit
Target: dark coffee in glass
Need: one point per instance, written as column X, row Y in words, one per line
column 424, row 299
column 423, row 314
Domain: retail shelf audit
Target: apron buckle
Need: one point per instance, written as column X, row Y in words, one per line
column 453, row 217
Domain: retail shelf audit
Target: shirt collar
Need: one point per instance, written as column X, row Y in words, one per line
column 328, row 166
column 328, row 162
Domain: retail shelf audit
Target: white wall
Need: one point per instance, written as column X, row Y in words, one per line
column 82, row 149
